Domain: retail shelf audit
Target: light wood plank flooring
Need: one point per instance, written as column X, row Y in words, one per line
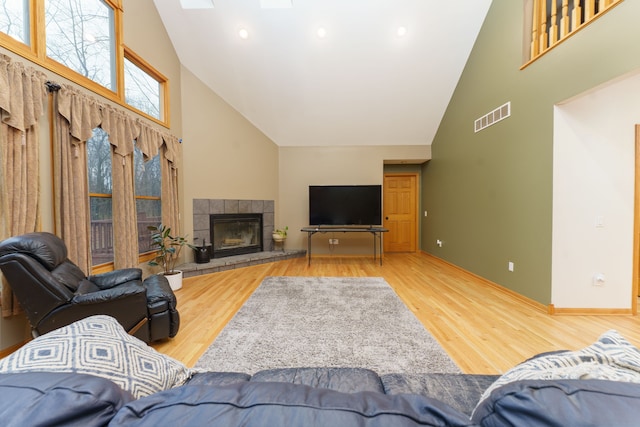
column 484, row 329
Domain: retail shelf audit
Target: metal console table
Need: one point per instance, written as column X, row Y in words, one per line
column 375, row 231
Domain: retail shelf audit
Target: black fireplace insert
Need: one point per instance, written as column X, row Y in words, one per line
column 235, row 234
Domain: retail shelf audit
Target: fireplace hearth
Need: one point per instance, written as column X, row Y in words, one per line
column 235, row 234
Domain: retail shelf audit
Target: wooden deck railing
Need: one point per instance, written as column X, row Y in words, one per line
column 102, row 239
column 555, row 20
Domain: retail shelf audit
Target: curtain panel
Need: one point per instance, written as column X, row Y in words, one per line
column 75, row 116
column 123, row 130
column 150, row 141
column 22, row 98
column 169, row 168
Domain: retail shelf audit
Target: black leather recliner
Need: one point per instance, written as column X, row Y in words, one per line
column 54, row 292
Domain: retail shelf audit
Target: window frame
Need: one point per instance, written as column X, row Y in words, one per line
column 36, row 53
column 163, row 83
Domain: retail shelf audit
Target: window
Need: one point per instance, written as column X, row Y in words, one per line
column 81, row 40
column 14, row 19
column 148, row 187
column 100, row 197
column 143, row 86
column 80, row 35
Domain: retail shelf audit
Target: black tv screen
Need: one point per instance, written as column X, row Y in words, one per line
column 345, row 205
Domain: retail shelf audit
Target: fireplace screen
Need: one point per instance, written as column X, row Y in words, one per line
column 235, row 234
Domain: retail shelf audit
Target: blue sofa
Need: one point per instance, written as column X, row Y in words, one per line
column 92, row 374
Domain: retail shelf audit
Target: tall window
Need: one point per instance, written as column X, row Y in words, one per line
column 14, row 19
column 80, row 35
column 148, row 186
column 100, row 197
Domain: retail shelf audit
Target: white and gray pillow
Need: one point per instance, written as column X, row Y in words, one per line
column 99, row 345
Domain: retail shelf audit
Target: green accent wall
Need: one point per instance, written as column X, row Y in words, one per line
column 489, row 194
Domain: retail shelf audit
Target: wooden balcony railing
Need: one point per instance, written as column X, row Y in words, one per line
column 102, row 239
column 555, row 20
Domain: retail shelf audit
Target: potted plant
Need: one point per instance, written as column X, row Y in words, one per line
column 279, row 234
column 168, row 250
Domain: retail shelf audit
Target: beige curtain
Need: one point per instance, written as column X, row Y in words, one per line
column 149, row 142
column 122, row 130
column 76, row 115
column 169, row 166
column 22, row 98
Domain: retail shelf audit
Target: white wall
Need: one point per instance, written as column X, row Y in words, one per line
column 593, row 178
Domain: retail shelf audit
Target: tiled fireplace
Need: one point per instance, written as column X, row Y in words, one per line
column 205, row 209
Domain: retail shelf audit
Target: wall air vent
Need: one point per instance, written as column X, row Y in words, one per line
column 500, row 113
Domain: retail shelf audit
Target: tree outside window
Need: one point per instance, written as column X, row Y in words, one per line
column 14, row 19
column 80, row 35
column 141, row 90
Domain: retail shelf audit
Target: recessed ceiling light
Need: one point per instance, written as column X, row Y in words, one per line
column 322, row 32
column 402, row 31
column 243, row 33
column 196, row 4
column 276, row 4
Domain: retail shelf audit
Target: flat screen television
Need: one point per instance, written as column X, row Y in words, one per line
column 345, row 205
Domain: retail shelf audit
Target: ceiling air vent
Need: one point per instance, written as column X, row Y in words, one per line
column 500, row 113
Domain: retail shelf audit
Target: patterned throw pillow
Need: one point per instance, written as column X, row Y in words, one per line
column 99, row 346
column 612, row 357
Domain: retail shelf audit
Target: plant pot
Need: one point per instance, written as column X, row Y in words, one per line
column 277, row 237
column 175, row 280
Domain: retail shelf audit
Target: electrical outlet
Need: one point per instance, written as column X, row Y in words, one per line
column 439, row 243
column 599, row 279
column 511, row 266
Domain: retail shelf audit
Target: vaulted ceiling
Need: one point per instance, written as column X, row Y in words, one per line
column 362, row 82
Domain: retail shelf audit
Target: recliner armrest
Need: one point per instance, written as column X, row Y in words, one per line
column 121, row 292
column 114, row 278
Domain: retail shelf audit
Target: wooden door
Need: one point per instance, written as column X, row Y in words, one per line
column 400, row 212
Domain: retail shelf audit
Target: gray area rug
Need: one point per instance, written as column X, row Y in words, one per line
column 325, row 322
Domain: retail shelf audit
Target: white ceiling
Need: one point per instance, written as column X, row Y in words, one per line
column 361, row 84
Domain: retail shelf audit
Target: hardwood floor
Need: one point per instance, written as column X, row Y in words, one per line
column 484, row 329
